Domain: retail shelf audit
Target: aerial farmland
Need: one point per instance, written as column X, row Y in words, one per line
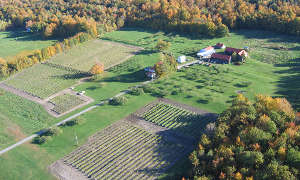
column 149, row 90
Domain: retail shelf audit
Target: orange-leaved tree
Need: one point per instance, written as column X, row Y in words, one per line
column 98, row 68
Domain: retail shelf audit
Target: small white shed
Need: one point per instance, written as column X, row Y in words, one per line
column 181, row 59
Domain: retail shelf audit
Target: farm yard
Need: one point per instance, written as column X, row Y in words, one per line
column 14, row 42
column 129, row 150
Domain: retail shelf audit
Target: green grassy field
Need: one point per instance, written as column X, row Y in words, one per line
column 210, row 88
column 20, row 117
column 65, row 102
column 13, row 42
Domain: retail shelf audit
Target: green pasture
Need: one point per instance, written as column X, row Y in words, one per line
column 14, row 42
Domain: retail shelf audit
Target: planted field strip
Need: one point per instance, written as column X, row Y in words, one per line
column 42, row 80
column 124, row 151
column 65, row 102
column 176, row 118
column 83, row 57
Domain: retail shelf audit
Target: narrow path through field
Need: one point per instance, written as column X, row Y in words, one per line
column 65, row 120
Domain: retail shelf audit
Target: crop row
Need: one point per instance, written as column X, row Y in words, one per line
column 124, row 153
column 175, row 118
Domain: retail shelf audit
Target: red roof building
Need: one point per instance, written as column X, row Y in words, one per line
column 220, row 46
column 240, row 52
column 221, row 58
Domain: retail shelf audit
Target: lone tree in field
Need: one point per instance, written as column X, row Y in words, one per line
column 259, row 140
column 166, row 65
column 97, row 69
column 162, row 45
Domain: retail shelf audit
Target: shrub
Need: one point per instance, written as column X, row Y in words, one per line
column 74, row 122
column 137, row 91
column 121, row 100
column 53, row 131
column 39, row 140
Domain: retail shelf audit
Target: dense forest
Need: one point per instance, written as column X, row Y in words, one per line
column 195, row 17
column 259, row 140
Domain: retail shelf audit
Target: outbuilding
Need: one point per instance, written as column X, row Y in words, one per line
column 181, row 59
column 206, row 52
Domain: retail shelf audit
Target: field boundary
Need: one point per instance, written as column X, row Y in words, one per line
column 45, row 103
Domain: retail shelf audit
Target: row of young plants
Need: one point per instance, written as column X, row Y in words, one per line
column 29, row 58
column 176, row 118
column 122, row 153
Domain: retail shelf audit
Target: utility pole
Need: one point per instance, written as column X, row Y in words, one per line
column 76, row 139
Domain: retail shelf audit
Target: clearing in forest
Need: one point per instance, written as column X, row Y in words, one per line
column 133, row 148
column 14, row 42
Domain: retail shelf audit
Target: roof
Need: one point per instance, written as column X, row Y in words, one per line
column 209, row 48
column 221, row 57
column 220, row 44
column 229, row 49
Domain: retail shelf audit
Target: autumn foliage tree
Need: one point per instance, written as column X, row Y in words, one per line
column 96, row 69
column 166, row 65
column 259, row 140
column 162, row 45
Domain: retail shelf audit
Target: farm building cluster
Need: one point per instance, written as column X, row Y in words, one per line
column 230, row 54
column 207, row 56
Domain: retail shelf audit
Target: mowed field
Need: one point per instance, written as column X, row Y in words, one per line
column 65, row 69
column 14, row 42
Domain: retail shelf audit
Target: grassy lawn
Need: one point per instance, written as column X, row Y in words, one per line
column 30, row 161
column 20, row 117
column 13, row 42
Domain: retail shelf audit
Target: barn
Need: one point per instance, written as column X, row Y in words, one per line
column 220, row 58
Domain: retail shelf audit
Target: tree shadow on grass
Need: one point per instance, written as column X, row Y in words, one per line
column 134, row 77
column 21, row 35
column 289, row 86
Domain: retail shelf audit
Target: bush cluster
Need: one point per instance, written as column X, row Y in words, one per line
column 46, row 135
column 121, row 100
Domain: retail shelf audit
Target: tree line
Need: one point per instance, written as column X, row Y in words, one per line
column 194, row 17
column 28, row 58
